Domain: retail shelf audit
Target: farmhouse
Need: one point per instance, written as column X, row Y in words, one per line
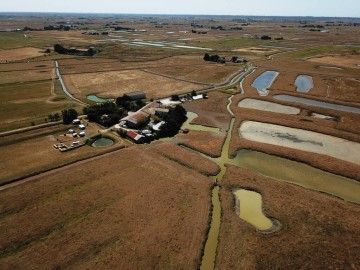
column 138, row 95
column 136, row 119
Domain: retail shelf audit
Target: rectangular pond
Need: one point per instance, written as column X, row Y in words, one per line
column 316, row 103
column 264, row 81
column 300, row 139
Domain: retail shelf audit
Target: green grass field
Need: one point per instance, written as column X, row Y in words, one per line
column 11, row 40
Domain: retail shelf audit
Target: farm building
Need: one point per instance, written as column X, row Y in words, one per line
column 136, row 119
column 137, row 138
column 138, row 95
column 161, row 112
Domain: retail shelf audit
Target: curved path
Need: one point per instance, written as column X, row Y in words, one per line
column 64, row 87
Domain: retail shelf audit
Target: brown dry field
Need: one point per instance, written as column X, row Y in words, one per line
column 212, row 111
column 38, row 65
column 72, row 37
column 307, row 67
column 343, row 89
column 96, row 64
column 19, row 54
column 116, row 83
column 338, row 60
column 202, row 73
column 136, row 210
column 302, row 121
column 35, row 152
column 83, row 62
column 318, row 231
column 206, row 142
column 187, row 158
column 258, row 50
column 25, row 76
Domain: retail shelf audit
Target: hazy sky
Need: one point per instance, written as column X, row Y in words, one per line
column 337, row 8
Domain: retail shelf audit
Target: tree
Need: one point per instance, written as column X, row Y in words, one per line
column 169, row 128
column 69, row 115
column 59, row 49
column 193, row 93
column 206, row 57
column 175, row 97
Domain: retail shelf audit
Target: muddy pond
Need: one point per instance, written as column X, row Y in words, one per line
column 98, row 99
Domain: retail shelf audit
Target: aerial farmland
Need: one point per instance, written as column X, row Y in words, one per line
column 179, row 142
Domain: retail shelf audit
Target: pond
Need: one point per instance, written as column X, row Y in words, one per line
column 301, row 139
column 103, row 142
column 262, row 105
column 316, row 103
column 298, row 173
column 249, row 207
column 98, row 99
column 304, row 83
column 264, row 81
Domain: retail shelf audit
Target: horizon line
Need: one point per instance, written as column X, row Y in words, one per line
column 175, row 14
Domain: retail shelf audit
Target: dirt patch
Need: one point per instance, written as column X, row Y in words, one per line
column 19, row 54
column 143, row 212
column 314, row 226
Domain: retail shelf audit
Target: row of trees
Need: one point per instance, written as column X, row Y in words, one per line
column 128, row 104
column 218, row 59
column 114, row 113
column 62, row 50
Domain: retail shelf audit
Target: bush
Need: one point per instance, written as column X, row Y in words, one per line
column 68, row 116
